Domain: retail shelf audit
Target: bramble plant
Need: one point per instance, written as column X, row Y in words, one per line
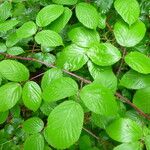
column 75, row 74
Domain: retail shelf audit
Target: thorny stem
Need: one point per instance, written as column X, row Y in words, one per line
column 122, row 98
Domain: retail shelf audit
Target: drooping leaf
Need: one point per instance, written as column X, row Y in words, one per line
column 15, row 50
column 129, row 36
column 10, row 93
column 83, row 37
column 48, row 38
column 48, row 14
column 65, row 2
column 124, row 130
column 64, row 125
column 33, row 125
column 34, row 142
column 14, row 71
column 87, row 15
column 98, row 99
column 32, row 95
column 103, row 54
column 3, row 116
column 72, row 58
column 138, row 62
column 135, row 80
column 60, row 88
column 129, row 10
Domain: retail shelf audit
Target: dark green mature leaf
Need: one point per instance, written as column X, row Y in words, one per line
column 141, row 99
column 26, row 30
column 33, row 125
column 129, row 36
column 60, row 23
column 87, row 15
column 138, row 62
column 124, row 130
column 32, row 95
column 129, row 10
column 60, row 88
column 104, row 54
column 14, row 71
column 10, row 93
column 34, row 142
column 64, row 125
column 3, row 116
column 83, row 36
column 48, row 38
column 98, row 99
column 135, row 80
column 48, row 14
column 72, row 58
column 65, row 2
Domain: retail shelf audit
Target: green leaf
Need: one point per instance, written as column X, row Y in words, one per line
column 124, row 130
column 65, row 2
column 61, row 22
column 48, row 14
column 147, row 143
column 64, row 125
column 129, row 36
column 104, row 54
column 72, row 58
column 129, row 146
column 14, row 71
column 83, row 37
column 49, row 76
column 26, row 30
column 103, row 75
column 3, row 116
column 135, row 80
column 33, row 125
column 10, row 94
column 3, row 47
column 102, row 21
column 129, row 10
column 60, row 88
column 8, row 25
column 48, row 38
column 34, row 142
column 31, row 95
column 15, row 50
column 138, row 62
column 87, row 15
column 98, row 99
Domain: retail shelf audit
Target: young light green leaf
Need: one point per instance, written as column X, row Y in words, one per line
column 147, row 143
column 138, row 62
column 49, row 76
column 3, row 116
column 65, row 2
column 129, row 36
column 15, row 50
column 72, row 58
column 124, row 130
column 68, row 118
column 34, row 142
column 135, row 80
column 14, row 71
column 83, row 37
column 26, row 30
column 33, row 125
column 87, row 15
column 61, row 22
column 129, row 10
column 60, row 88
column 10, row 93
column 3, row 47
column 48, row 14
column 98, row 99
column 31, row 95
column 104, row 54
column 48, row 38
column 102, row 21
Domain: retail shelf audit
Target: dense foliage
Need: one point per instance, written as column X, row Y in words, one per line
column 74, row 74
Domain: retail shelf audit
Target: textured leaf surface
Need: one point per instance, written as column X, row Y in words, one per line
column 129, row 36
column 98, row 99
column 14, row 71
column 87, row 15
column 15, row 50
column 60, row 88
column 138, row 62
column 124, row 130
column 65, row 2
column 64, row 125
